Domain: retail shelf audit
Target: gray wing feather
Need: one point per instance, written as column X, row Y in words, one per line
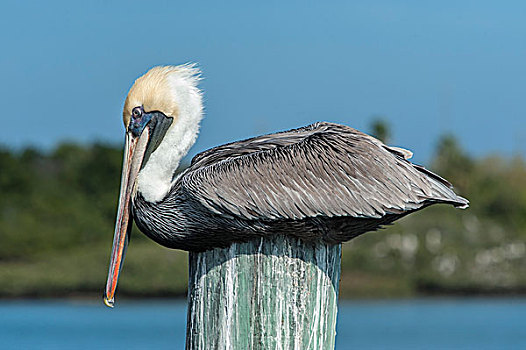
column 321, row 170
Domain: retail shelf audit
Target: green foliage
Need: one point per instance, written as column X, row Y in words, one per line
column 57, row 213
column 441, row 250
column 380, row 129
column 57, row 201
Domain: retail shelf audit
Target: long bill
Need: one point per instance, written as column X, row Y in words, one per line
column 134, row 149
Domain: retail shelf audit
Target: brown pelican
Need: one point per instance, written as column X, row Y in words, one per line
column 323, row 182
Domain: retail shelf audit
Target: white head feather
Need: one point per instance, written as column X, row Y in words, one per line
column 173, row 91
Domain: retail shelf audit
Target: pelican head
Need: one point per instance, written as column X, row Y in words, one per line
column 161, row 119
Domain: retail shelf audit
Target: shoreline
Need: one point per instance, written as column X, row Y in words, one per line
column 172, row 297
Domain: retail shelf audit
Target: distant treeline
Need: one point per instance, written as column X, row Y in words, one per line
column 57, row 212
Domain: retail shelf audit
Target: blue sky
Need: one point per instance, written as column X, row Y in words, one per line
column 428, row 68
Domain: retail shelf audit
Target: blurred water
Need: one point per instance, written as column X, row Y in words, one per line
column 433, row 324
column 398, row 324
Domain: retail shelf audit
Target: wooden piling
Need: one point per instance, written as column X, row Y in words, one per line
column 270, row 293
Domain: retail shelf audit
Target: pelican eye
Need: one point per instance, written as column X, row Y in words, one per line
column 137, row 112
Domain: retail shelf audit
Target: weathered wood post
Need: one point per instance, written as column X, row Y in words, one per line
column 270, row 293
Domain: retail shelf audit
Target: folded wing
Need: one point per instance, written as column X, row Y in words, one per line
column 321, row 170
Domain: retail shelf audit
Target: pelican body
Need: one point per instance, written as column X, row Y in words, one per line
column 323, row 182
